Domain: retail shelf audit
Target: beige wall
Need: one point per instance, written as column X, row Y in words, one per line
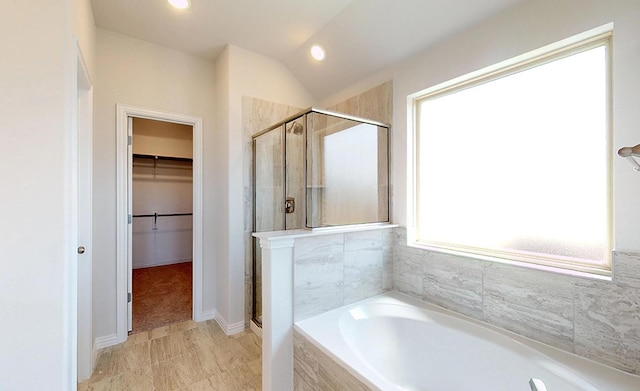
column 84, row 30
column 36, row 249
column 145, row 75
column 152, row 137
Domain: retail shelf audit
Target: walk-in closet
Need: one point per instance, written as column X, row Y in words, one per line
column 162, row 237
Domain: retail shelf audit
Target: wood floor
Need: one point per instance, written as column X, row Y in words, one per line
column 162, row 295
column 185, row 356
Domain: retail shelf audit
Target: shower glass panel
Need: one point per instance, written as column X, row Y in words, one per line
column 317, row 169
column 268, row 182
column 294, row 173
column 347, row 170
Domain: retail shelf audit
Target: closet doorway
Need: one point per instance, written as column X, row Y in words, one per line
column 162, row 229
column 161, row 164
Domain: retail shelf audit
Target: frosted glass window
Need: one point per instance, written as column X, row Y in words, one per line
column 516, row 166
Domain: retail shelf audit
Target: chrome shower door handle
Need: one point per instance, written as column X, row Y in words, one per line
column 289, row 205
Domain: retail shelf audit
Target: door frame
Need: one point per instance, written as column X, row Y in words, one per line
column 123, row 208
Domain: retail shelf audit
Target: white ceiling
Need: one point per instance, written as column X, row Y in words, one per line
column 360, row 36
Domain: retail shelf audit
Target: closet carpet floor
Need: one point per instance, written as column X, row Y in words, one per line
column 184, row 356
column 162, row 295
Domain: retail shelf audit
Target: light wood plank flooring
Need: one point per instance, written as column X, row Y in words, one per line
column 185, row 356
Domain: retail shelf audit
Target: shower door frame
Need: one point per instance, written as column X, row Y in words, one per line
column 282, row 125
column 254, row 241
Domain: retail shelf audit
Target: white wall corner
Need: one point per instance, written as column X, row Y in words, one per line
column 229, row 329
column 206, row 315
column 94, row 359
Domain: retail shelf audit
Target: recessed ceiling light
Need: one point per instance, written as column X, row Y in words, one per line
column 180, row 4
column 317, row 52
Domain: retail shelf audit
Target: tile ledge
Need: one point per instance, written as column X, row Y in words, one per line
column 303, row 233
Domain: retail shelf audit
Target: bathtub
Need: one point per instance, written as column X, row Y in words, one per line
column 395, row 342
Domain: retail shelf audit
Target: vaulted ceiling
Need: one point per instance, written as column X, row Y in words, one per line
column 360, row 36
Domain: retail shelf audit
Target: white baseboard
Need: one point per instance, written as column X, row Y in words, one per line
column 206, row 315
column 229, row 329
column 105, row 341
column 256, row 330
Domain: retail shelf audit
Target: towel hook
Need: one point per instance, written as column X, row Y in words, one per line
column 628, row 153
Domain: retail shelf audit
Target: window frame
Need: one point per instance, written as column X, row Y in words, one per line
column 601, row 36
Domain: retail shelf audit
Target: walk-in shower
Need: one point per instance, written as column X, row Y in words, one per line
column 317, row 169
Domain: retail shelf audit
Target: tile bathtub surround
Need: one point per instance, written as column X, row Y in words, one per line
column 595, row 319
column 313, row 370
column 182, row 356
column 338, row 269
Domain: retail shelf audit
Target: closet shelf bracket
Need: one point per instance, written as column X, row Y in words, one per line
column 628, row 153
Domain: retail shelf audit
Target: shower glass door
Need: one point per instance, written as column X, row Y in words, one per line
column 269, row 200
column 279, row 196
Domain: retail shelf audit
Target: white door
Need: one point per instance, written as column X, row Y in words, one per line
column 130, row 226
column 84, row 220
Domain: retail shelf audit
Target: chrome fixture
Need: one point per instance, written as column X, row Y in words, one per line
column 289, row 205
column 295, row 128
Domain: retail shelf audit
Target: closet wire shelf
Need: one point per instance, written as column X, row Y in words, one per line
column 156, row 215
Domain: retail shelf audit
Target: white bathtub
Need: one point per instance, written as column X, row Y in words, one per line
column 395, row 342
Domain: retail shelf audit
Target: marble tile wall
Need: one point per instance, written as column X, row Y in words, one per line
column 375, row 104
column 595, row 319
column 338, row 269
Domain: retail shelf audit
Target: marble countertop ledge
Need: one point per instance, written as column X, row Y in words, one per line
column 308, row 232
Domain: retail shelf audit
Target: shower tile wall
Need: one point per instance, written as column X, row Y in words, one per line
column 257, row 115
column 339, row 269
column 595, row 319
column 375, row 104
